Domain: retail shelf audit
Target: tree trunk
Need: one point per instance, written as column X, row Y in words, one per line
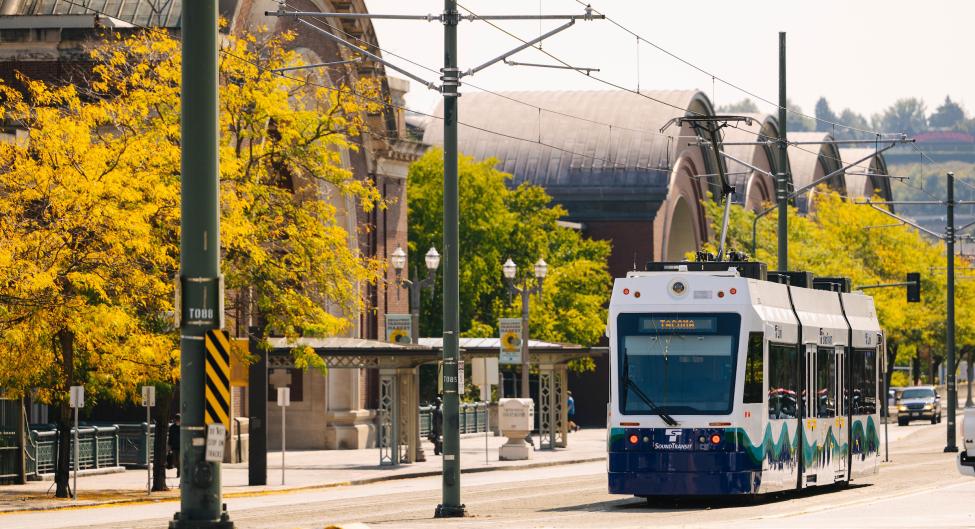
column 164, row 400
column 65, row 341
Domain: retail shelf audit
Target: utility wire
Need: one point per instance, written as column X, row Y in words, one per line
column 723, row 81
column 364, row 97
column 386, row 51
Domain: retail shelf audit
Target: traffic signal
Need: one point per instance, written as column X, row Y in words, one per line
column 913, row 287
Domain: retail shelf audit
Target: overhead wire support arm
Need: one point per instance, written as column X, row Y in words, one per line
column 905, row 221
column 813, row 184
column 357, row 49
column 525, row 45
column 585, row 70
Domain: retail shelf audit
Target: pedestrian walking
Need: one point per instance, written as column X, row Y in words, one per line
column 573, row 427
column 172, row 458
column 436, row 429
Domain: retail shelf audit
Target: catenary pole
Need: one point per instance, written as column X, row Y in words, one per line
column 950, row 331
column 201, row 504
column 526, row 392
column 450, row 505
column 783, row 181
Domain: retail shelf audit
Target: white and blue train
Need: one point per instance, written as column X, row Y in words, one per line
column 725, row 382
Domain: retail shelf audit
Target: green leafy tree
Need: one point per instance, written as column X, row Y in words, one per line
column 497, row 223
column 745, row 106
column 824, row 116
column 949, row 115
column 833, row 240
column 905, row 115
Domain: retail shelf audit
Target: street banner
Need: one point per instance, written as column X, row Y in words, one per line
column 510, row 332
column 399, row 329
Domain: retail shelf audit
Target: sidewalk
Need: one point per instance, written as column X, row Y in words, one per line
column 304, row 470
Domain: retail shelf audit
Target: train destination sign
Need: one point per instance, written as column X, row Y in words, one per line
column 678, row 324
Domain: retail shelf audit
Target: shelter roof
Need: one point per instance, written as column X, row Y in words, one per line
column 764, row 127
column 865, row 185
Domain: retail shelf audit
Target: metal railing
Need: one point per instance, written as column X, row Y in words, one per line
column 98, row 447
column 473, row 418
column 132, row 440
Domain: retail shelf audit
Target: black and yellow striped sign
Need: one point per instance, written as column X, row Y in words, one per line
column 217, row 354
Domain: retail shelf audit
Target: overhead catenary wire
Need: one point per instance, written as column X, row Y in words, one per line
column 364, row 97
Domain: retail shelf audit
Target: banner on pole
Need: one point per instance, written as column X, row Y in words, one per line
column 510, row 332
column 399, row 328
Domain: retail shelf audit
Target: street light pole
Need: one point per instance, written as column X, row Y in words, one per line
column 510, row 271
column 950, row 240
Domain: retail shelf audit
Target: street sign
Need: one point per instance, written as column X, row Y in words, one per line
column 217, row 402
column 284, row 397
column 510, row 331
column 216, row 442
column 77, row 397
column 399, row 328
column 148, row 396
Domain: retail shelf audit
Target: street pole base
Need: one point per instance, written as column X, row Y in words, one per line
column 951, row 449
column 450, row 511
column 223, row 523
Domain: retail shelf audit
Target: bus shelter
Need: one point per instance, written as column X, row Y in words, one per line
column 398, row 428
column 552, row 361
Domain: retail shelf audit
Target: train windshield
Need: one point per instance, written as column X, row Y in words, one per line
column 680, row 364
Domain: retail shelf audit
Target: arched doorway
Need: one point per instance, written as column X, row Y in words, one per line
column 681, row 239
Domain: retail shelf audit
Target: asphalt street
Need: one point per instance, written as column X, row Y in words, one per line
column 919, row 487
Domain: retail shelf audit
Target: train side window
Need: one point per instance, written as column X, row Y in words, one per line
column 856, row 380
column 783, row 383
column 869, row 387
column 754, row 369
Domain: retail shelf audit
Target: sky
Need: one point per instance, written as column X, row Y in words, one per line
column 861, row 54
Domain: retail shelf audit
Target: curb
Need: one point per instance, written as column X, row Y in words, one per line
column 289, row 490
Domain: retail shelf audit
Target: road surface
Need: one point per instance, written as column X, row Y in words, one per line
column 918, row 488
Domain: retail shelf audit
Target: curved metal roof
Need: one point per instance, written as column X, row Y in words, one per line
column 864, row 180
column 580, row 163
column 764, row 127
column 805, row 160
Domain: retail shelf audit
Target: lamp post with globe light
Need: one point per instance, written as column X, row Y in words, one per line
column 510, row 271
column 415, row 285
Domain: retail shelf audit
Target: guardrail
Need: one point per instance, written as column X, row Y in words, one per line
column 473, row 418
column 98, row 447
column 132, row 444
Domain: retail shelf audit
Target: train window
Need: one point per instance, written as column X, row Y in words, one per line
column 863, row 366
column 754, row 367
column 783, row 381
column 869, row 382
column 825, row 383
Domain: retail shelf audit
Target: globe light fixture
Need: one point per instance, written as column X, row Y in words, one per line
column 509, row 269
column 432, row 259
column 541, row 269
column 398, row 259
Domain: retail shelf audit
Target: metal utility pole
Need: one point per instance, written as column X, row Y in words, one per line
column 950, row 331
column 449, row 88
column 782, row 179
column 200, row 292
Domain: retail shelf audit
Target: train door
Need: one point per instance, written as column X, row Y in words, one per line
column 810, row 435
column 840, row 423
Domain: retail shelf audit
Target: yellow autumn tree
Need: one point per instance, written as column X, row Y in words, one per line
column 841, row 238
column 89, row 213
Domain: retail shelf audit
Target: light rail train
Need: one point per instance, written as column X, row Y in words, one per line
column 728, row 379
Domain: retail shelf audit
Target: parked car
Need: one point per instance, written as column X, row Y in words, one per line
column 919, row 402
